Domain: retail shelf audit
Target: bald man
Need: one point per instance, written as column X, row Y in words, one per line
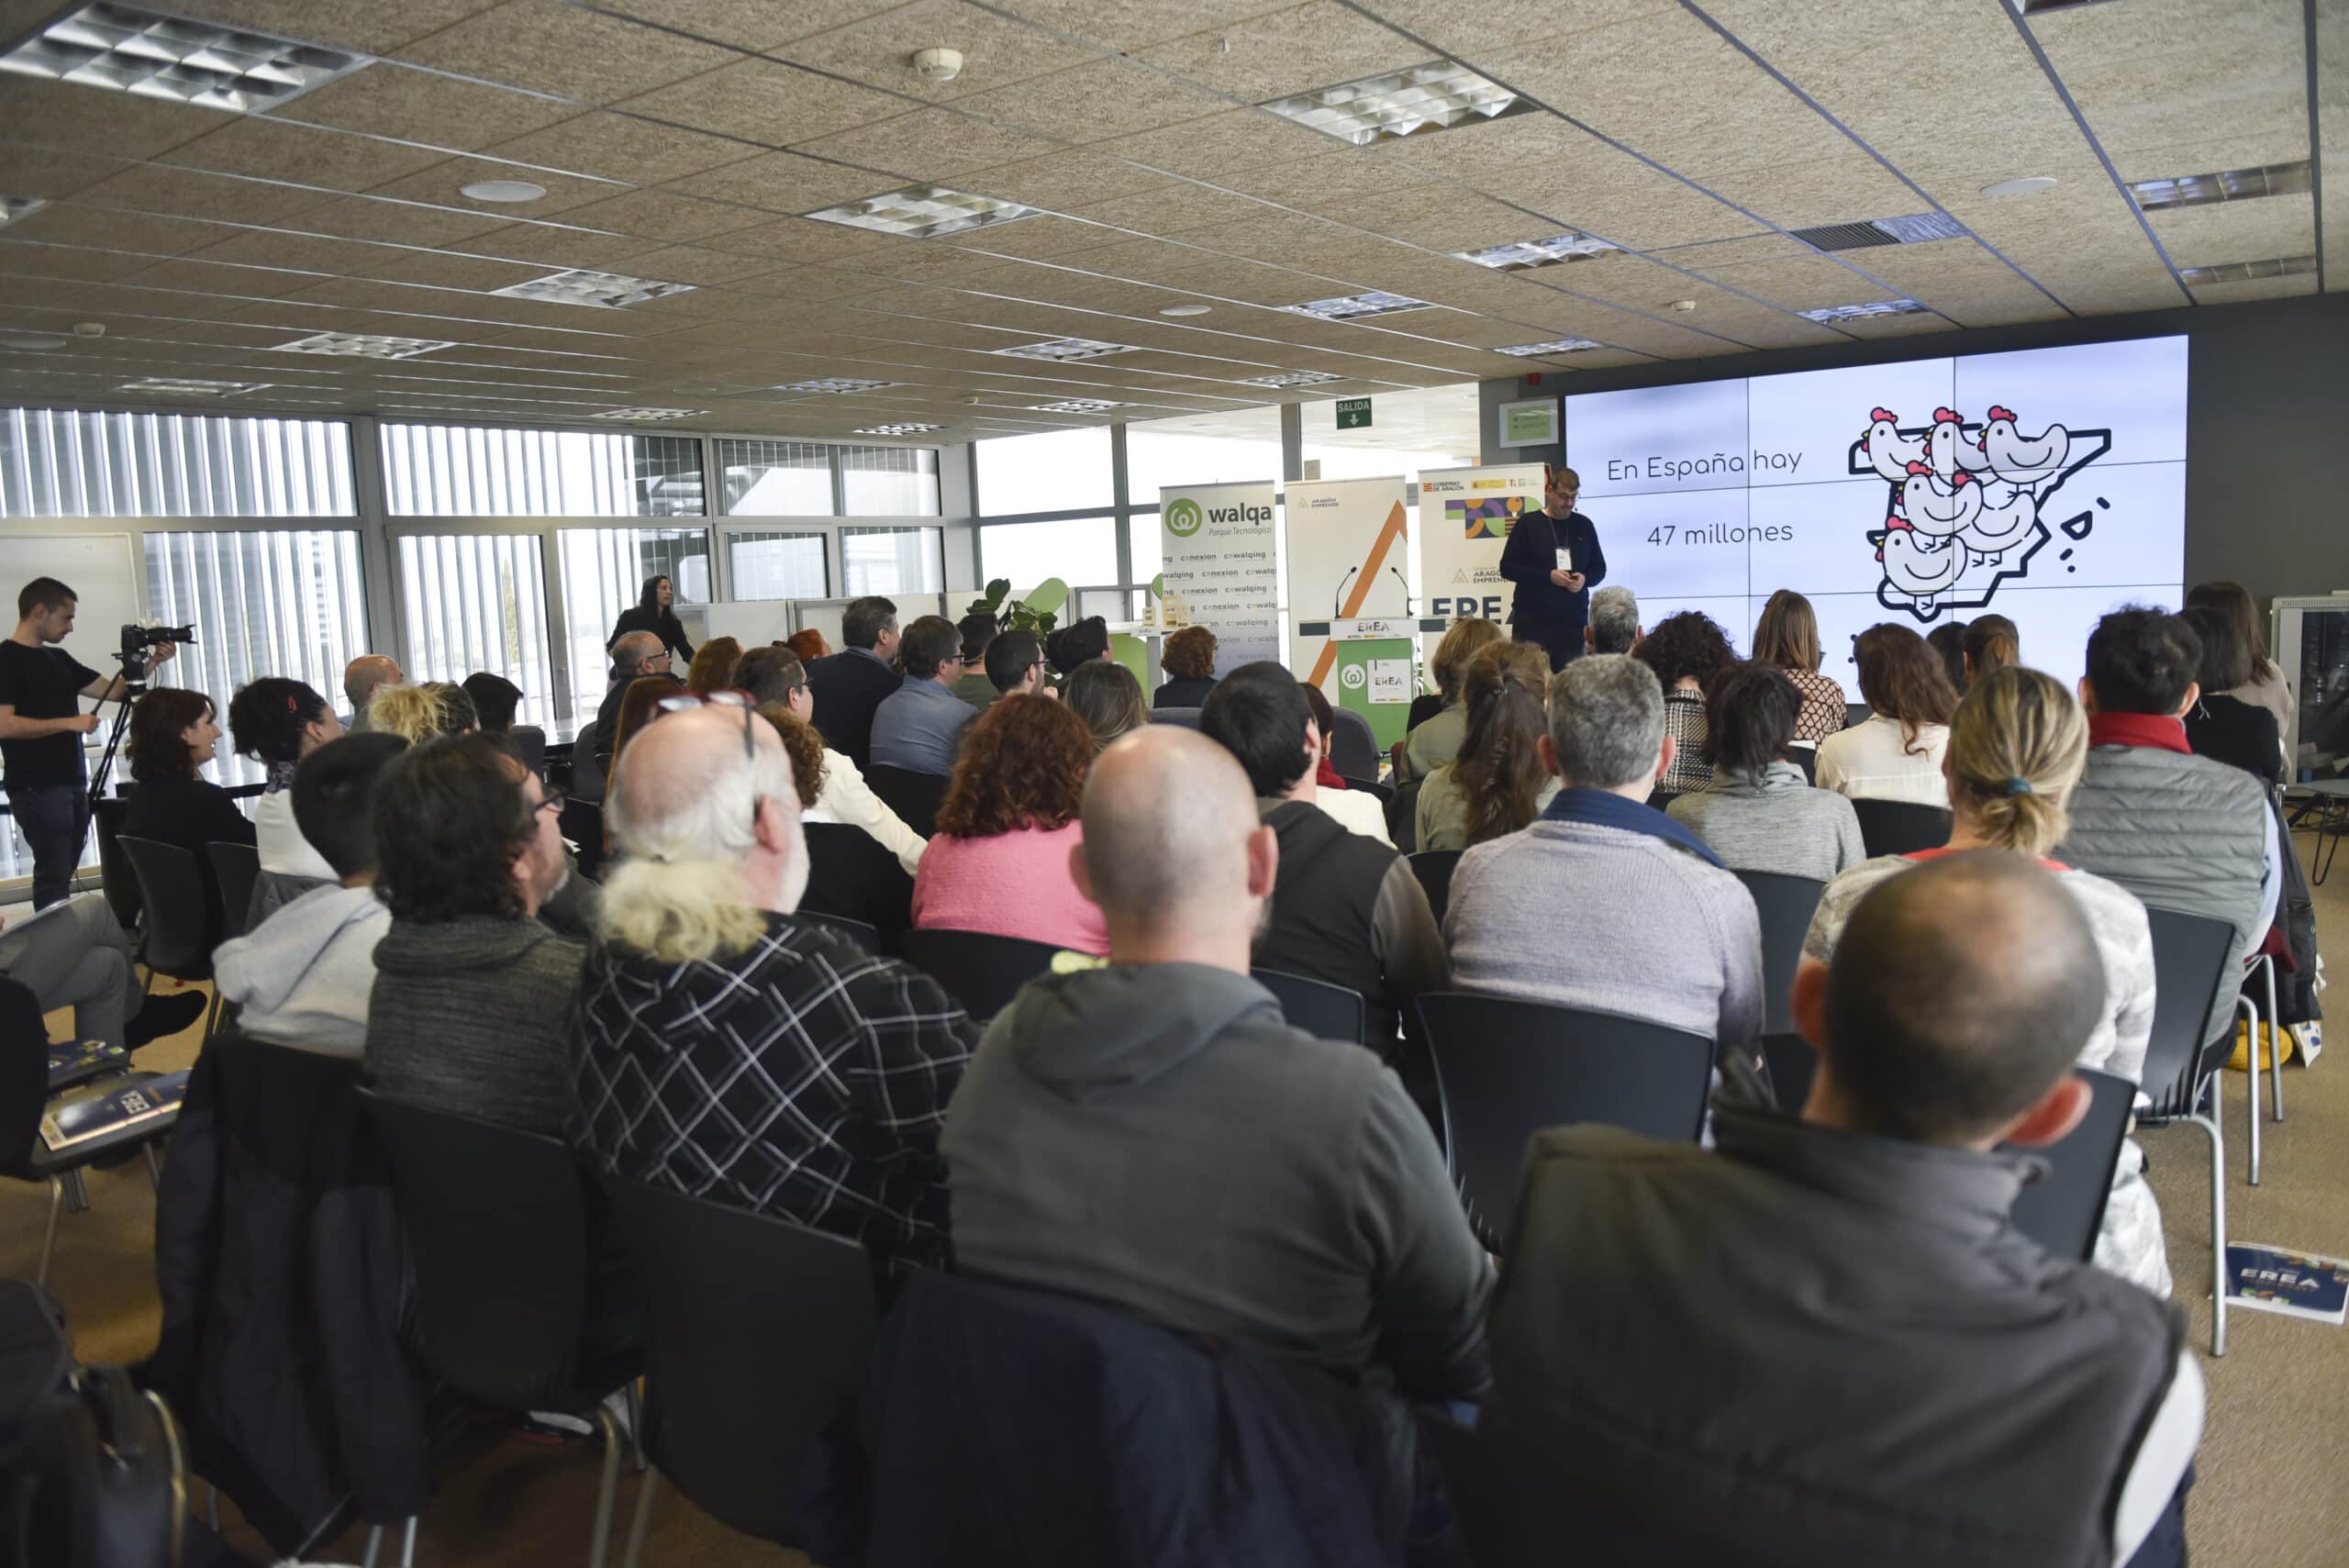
column 1152, row 1135
column 637, row 653
column 1826, row 1333
column 361, row 679
column 734, row 1051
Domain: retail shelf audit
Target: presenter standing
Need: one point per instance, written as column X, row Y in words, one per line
column 1554, row 558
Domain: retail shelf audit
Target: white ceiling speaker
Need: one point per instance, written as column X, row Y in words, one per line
column 501, row 191
column 937, row 65
column 89, row 328
column 1186, row 310
column 1684, row 305
column 2029, row 185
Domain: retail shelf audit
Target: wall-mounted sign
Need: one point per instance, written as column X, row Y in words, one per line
column 1533, row 423
column 1354, row 413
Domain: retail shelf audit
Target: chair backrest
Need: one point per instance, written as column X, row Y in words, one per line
column 1320, row 1009
column 2062, row 1210
column 1353, row 750
column 582, row 824
column 1505, row 1069
column 1516, row 1511
column 24, row 1076
column 1901, row 827
column 1662, row 799
column 497, row 1224
column 1188, row 717
column 1403, row 818
column 177, row 905
column 1805, row 755
column 915, row 797
column 1856, row 714
column 850, row 874
column 2191, row 954
column 756, row 1335
column 235, row 869
column 1793, row 1062
column 121, row 883
column 1786, row 905
column 529, row 741
column 1434, row 869
column 980, row 970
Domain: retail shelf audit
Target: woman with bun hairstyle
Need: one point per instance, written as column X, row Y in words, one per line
column 277, row 722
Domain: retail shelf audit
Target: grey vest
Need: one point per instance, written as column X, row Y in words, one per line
column 2181, row 832
column 1828, row 1343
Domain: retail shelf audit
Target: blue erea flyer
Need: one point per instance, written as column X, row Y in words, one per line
column 2298, row 1285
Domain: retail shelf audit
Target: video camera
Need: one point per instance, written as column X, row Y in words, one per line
column 137, row 639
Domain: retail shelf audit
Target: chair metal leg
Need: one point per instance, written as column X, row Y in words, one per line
column 2211, row 1126
column 636, row 1420
column 2250, row 1011
column 77, row 1193
column 212, row 1507
column 599, row 1550
column 407, row 1543
column 375, row 1544
column 2276, row 1066
column 642, row 1526
column 49, row 1236
column 154, row 1167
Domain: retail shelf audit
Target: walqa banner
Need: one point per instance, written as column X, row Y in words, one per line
column 1466, row 516
column 1220, row 556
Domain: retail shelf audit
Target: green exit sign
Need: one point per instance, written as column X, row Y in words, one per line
column 1354, row 413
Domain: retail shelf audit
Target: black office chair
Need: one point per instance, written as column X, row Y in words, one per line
column 1856, row 714
column 1786, row 905
column 756, row 1338
column 1403, row 817
column 1320, row 1009
column 2064, row 1208
column 1188, row 717
column 1662, row 799
column 1434, row 869
column 1505, row 1069
column 1901, row 827
column 177, row 916
column 1793, row 1064
column 1353, row 750
column 2182, row 1069
column 235, row 869
column 915, row 797
column 497, row 1231
column 583, row 824
column 978, row 969
column 115, row 875
column 1805, row 757
column 853, row 877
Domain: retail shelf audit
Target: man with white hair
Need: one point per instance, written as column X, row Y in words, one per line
column 1614, row 621
column 733, row 1050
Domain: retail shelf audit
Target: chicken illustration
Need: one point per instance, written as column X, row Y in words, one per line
column 2003, row 518
column 2018, row 460
column 1921, row 572
column 1936, row 509
column 1889, row 451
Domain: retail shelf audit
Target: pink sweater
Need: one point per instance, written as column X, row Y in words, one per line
column 1014, row 884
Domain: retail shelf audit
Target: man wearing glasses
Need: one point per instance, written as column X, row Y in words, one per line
column 1553, row 556
column 919, row 728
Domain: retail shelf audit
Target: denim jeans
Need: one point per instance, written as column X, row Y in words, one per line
column 51, row 818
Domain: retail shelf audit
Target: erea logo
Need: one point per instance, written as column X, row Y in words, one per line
column 1183, row 518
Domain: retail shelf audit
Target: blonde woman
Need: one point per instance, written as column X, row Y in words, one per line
column 2016, row 749
column 1436, row 740
column 419, row 712
column 1787, row 636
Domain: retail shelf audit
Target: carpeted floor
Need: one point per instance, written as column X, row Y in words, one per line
column 2273, row 1466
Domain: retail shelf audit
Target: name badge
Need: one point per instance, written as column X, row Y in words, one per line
column 1565, row 559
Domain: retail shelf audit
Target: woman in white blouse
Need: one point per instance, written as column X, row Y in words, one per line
column 1896, row 754
column 844, row 796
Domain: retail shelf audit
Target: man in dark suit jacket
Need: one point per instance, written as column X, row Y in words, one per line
column 1553, row 556
column 851, row 684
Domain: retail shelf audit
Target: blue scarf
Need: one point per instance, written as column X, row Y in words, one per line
column 1598, row 808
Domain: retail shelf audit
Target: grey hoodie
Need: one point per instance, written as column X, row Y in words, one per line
column 302, row 976
column 1157, row 1137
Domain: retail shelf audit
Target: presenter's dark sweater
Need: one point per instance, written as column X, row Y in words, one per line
column 1543, row 612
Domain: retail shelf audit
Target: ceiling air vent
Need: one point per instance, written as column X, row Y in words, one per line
column 2244, row 272
column 1914, row 231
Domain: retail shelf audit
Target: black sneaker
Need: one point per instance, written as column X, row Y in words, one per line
column 164, row 1016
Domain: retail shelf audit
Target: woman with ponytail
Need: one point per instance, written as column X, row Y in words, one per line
column 2016, row 749
column 1497, row 784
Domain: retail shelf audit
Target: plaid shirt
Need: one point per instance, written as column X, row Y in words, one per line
column 805, row 1079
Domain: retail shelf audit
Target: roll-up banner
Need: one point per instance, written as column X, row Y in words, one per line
column 1222, row 558
column 1348, row 554
column 1466, row 516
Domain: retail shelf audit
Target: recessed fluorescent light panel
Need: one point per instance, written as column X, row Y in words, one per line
column 1076, row 405
column 896, row 430
column 647, row 416
column 1550, row 252
column 1555, row 346
column 923, row 212
column 1431, row 98
column 835, row 384
column 1853, row 312
column 609, row 290
column 364, row 346
column 203, row 63
column 15, row 208
column 1356, row 306
column 1292, row 378
column 171, row 386
column 2244, row 272
column 1061, row 351
column 2226, row 185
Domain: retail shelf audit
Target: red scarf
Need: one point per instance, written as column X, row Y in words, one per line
column 2155, row 731
column 1327, row 776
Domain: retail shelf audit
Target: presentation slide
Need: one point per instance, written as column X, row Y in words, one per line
column 2047, row 485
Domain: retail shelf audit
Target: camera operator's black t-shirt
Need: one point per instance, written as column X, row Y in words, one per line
column 43, row 683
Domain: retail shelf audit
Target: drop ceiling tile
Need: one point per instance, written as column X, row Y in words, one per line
column 400, row 223
column 1172, row 209
column 50, row 175
column 86, row 120
column 617, row 147
column 1808, row 283
column 265, row 149
column 272, row 247
column 443, row 270
column 1738, row 252
column 767, row 103
column 553, row 48
column 805, row 240
column 62, row 223
column 406, row 105
column 1437, row 217
column 152, row 188
column 442, row 185
column 1043, row 236
column 1849, row 187
column 701, row 267
column 21, row 258
column 1104, row 99
column 1986, row 299
column 1289, row 50
column 878, row 49
column 551, row 247
column 1131, row 25
column 2200, row 154
column 1315, row 182
column 2237, row 231
column 934, row 145
column 370, row 27
column 220, row 279
column 1908, row 326
column 1214, row 144
column 2285, row 287
column 781, row 182
column 748, row 24
column 1464, row 28
column 1068, row 180
column 658, row 214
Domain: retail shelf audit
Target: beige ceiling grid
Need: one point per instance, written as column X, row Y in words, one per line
column 680, row 141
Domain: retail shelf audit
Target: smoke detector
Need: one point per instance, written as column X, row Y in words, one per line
column 1683, row 307
column 89, row 328
column 937, row 65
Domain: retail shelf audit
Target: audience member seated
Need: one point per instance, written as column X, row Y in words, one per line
column 1991, row 642
column 1360, row 811
column 831, row 790
column 2226, row 728
column 2016, row 749
column 1605, row 904
column 1106, row 698
column 74, row 955
column 732, row 1049
column 1760, row 813
column 713, row 666
column 1436, row 739
column 919, row 726
column 1895, row 754
column 171, row 737
column 303, row 976
column 1659, row 1338
column 1345, row 909
column 999, row 860
column 1016, row 665
column 978, row 632
column 420, row 712
column 1614, row 624
column 638, row 656
column 1189, row 658
column 1150, row 1135
column 2182, row 832
column 496, row 701
column 277, row 722
column 809, row 646
column 850, row 686
column 1076, row 644
column 1689, row 652
column 640, row 705
column 473, row 1010
column 1948, row 643
column 2265, row 687
column 361, row 679
column 1497, row 785
column 1787, row 636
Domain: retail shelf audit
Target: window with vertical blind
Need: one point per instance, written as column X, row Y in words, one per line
column 771, row 564
column 478, row 602
column 776, row 479
column 603, row 572
column 892, row 561
column 889, row 482
column 69, row 463
column 287, row 602
column 472, row 470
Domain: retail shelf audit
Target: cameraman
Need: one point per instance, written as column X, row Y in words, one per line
column 41, row 725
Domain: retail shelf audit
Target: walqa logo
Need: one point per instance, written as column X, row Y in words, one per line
column 1964, row 516
column 1183, row 518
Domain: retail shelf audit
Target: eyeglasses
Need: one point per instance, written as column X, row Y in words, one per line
column 554, row 802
